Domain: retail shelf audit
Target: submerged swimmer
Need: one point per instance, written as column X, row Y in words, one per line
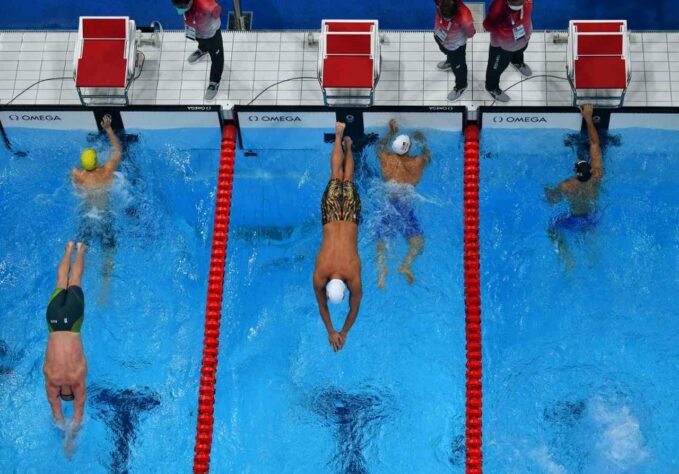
column 581, row 191
column 65, row 367
column 94, row 181
column 400, row 167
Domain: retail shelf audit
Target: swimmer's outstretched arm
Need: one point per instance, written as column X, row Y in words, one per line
column 322, row 300
column 117, row 151
column 393, row 130
column 596, row 161
column 53, row 399
column 355, row 296
column 80, row 395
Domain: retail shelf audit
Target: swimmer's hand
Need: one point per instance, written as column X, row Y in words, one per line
column 69, row 438
column 586, row 110
column 393, row 126
column 106, row 122
column 336, row 340
column 418, row 136
column 343, row 335
column 61, row 423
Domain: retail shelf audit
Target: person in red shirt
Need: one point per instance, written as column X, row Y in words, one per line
column 202, row 21
column 453, row 26
column 510, row 26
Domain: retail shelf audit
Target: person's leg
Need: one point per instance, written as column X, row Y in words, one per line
column 561, row 247
column 458, row 62
column 216, row 50
column 348, row 160
column 415, row 246
column 64, row 266
column 78, row 266
column 517, row 57
column 108, row 245
column 381, row 265
column 337, row 156
column 443, row 64
column 498, row 60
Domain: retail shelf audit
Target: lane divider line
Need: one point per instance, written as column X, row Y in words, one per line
column 213, row 310
column 472, row 301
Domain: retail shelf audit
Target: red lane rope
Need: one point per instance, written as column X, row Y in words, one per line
column 213, row 310
column 472, row 300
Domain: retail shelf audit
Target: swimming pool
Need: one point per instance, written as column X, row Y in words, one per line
column 580, row 370
column 393, row 399
column 143, row 339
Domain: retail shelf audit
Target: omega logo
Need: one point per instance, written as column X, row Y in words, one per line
column 274, row 118
column 519, row 119
column 34, row 118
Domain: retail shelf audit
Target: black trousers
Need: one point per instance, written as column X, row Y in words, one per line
column 498, row 60
column 215, row 47
column 458, row 62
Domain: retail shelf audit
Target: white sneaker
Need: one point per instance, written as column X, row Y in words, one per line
column 499, row 95
column 456, row 93
column 195, row 56
column 443, row 65
column 211, row 91
column 524, row 69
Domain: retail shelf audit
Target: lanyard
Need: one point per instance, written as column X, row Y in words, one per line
column 450, row 23
column 511, row 16
column 193, row 20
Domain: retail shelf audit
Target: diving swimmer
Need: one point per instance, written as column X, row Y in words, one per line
column 338, row 265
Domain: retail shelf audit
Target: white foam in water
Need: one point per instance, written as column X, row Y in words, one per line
column 261, row 323
column 306, row 176
column 620, row 441
column 121, row 188
column 543, row 458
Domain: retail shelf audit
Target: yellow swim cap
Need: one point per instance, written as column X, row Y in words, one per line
column 89, row 159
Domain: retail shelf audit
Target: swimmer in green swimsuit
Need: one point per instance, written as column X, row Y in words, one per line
column 338, row 265
column 65, row 367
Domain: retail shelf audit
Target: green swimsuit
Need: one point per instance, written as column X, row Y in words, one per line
column 66, row 309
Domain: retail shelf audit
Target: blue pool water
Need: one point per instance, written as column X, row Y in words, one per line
column 392, row 400
column 580, row 367
column 143, row 340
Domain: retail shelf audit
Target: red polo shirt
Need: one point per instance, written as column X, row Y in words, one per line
column 501, row 22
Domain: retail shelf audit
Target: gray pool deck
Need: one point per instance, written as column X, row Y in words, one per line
column 255, row 60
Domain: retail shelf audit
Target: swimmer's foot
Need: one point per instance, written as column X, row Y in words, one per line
column 348, row 142
column 81, row 246
column 69, row 246
column 380, row 279
column 339, row 128
column 405, row 271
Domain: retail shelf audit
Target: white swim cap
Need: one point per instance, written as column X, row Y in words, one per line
column 401, row 145
column 335, row 290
